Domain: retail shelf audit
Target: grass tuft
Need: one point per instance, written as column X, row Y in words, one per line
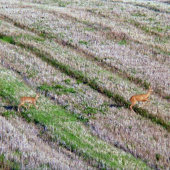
column 83, row 42
column 158, row 156
column 122, row 42
column 90, row 110
column 8, row 164
column 7, row 39
column 58, row 89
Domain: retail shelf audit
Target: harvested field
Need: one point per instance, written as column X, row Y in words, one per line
column 86, row 60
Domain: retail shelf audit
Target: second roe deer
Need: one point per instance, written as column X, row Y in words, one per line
column 30, row 100
column 140, row 98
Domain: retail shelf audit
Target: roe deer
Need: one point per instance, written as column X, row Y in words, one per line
column 140, row 98
column 30, row 100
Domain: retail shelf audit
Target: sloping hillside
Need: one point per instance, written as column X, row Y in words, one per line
column 85, row 59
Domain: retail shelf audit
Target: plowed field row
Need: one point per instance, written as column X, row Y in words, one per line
column 68, row 57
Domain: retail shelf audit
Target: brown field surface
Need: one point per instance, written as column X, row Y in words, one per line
column 86, row 58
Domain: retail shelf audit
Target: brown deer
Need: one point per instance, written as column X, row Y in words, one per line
column 30, row 100
column 140, row 98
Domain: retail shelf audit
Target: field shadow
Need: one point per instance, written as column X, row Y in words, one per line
column 10, row 108
column 115, row 105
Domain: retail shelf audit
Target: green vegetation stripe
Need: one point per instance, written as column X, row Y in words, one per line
column 69, row 132
column 93, row 84
column 8, row 164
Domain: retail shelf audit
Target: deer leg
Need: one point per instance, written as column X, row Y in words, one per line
column 133, row 103
column 19, row 107
column 35, row 105
column 146, row 102
column 29, row 105
column 142, row 104
column 21, row 104
column 24, row 106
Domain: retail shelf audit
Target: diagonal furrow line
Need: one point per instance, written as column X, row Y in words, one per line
column 92, row 83
column 88, row 55
column 77, row 75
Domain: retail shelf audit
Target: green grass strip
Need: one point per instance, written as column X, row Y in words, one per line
column 8, row 164
column 7, row 39
column 118, row 99
column 58, row 89
column 92, row 83
column 70, row 133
